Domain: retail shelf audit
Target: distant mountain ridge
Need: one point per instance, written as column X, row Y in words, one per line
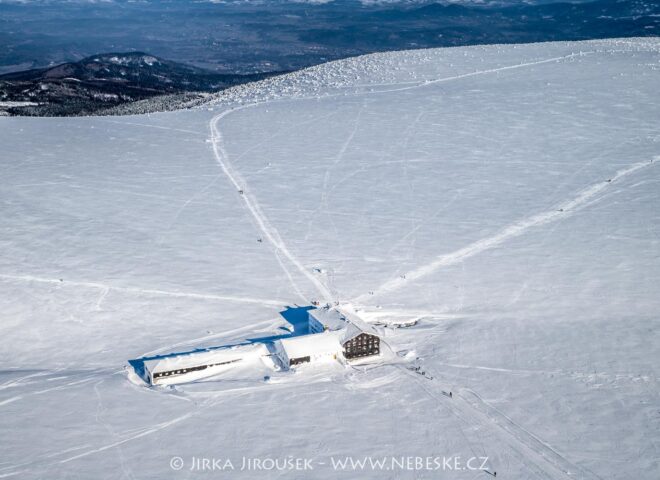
column 103, row 81
column 255, row 42
column 248, row 37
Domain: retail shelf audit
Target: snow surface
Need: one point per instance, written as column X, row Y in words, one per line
column 466, row 188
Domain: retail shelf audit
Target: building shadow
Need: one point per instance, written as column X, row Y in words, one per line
column 298, row 324
column 298, row 318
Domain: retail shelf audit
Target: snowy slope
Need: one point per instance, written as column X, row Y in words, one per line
column 467, row 188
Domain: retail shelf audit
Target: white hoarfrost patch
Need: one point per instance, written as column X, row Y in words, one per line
column 501, row 201
column 17, row 104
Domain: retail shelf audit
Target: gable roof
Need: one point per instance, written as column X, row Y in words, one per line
column 353, row 319
column 331, row 318
column 309, row 345
column 204, row 357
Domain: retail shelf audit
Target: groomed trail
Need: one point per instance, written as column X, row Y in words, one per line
column 106, row 288
column 200, row 404
column 268, row 230
column 558, row 212
column 475, row 413
column 263, row 224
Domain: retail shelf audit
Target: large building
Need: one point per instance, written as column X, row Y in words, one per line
column 172, row 369
column 335, row 335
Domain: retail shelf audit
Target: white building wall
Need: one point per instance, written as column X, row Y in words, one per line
column 319, row 347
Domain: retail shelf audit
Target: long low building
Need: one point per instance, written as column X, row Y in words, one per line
column 336, row 334
column 193, row 366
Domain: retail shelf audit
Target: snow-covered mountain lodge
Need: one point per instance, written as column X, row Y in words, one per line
column 335, row 335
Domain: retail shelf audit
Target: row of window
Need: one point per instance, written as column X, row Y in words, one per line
column 363, row 345
column 299, row 360
column 363, row 340
column 181, row 371
column 361, row 348
column 362, row 353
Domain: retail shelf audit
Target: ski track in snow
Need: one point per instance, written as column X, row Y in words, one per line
column 210, row 400
column 472, row 410
column 269, row 231
column 21, row 380
column 263, row 224
column 214, row 336
column 105, row 289
column 53, row 389
column 487, row 71
column 144, row 433
column 582, row 200
column 539, row 448
column 137, row 124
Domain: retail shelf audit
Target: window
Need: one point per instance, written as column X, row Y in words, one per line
column 192, row 369
column 364, row 345
column 299, row 360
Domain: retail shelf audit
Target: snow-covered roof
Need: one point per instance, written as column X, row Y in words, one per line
column 343, row 320
column 351, row 316
column 205, row 357
column 331, row 318
column 308, row 345
column 350, row 332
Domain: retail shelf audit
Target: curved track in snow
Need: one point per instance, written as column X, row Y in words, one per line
column 268, row 230
column 262, row 222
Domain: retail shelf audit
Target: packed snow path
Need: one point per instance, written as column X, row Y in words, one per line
column 106, row 288
column 262, row 222
column 585, row 198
